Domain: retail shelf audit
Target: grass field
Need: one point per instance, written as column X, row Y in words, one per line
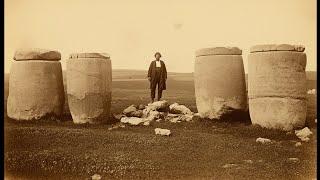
column 58, row 149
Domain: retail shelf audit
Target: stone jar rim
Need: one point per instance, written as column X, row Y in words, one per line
column 276, row 47
column 218, row 51
column 89, row 55
column 36, row 54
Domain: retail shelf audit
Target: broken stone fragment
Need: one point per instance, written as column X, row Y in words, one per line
column 96, row 177
column 263, row 140
column 162, row 132
column 137, row 113
column 162, row 106
column 132, row 120
column 36, row 54
column 141, row 107
column 293, row 160
column 129, row 110
column 175, row 108
column 303, row 134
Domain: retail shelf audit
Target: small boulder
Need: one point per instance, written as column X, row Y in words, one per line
column 298, row 144
column 175, row 108
column 303, row 134
column 229, row 165
column 141, row 107
column 129, row 110
column 293, row 160
column 312, row 91
column 263, row 140
column 137, row 113
column 118, row 116
column 132, row 120
column 162, row 132
column 96, row 177
column 162, row 106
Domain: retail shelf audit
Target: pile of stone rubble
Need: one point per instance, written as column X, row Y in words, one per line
column 156, row 111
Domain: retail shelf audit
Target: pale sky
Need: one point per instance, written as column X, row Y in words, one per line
column 132, row 31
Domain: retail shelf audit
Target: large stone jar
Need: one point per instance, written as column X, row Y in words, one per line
column 35, row 85
column 219, row 78
column 89, row 78
column 277, row 86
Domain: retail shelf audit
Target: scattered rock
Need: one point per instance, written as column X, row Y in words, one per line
column 229, row 165
column 129, row 110
column 162, row 106
column 141, row 107
column 175, row 108
column 312, row 91
column 298, row 144
column 96, row 177
column 118, row 116
column 263, row 140
column 138, row 113
column 248, row 161
column 289, row 133
column 315, row 120
column 162, row 132
column 147, row 123
column 294, row 160
column 132, row 120
column 303, row 134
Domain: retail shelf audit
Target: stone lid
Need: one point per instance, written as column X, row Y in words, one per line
column 219, row 51
column 36, row 54
column 89, row 55
column 276, row 47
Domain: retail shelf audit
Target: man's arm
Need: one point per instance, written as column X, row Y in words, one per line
column 165, row 70
column 149, row 71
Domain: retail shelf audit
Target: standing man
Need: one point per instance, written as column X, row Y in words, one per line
column 157, row 76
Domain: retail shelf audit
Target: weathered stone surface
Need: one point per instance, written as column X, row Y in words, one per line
column 304, row 134
column 278, row 73
column 89, row 89
column 277, row 88
column 263, row 140
column 129, row 110
column 220, row 86
column 162, row 132
column 278, row 113
column 218, row 51
column 141, row 107
column 35, row 90
column 277, row 47
column 133, row 120
column 89, row 55
column 37, row 54
column 176, row 108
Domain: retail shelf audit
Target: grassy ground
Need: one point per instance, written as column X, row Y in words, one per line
column 51, row 149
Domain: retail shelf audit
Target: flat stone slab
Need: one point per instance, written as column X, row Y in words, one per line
column 276, row 47
column 219, row 51
column 36, row 54
column 89, row 55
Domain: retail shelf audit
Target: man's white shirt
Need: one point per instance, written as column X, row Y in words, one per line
column 158, row 64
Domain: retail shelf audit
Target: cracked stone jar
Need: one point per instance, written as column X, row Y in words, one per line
column 219, row 79
column 277, row 86
column 35, row 85
column 89, row 78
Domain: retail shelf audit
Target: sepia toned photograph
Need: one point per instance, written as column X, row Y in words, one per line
column 169, row 89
